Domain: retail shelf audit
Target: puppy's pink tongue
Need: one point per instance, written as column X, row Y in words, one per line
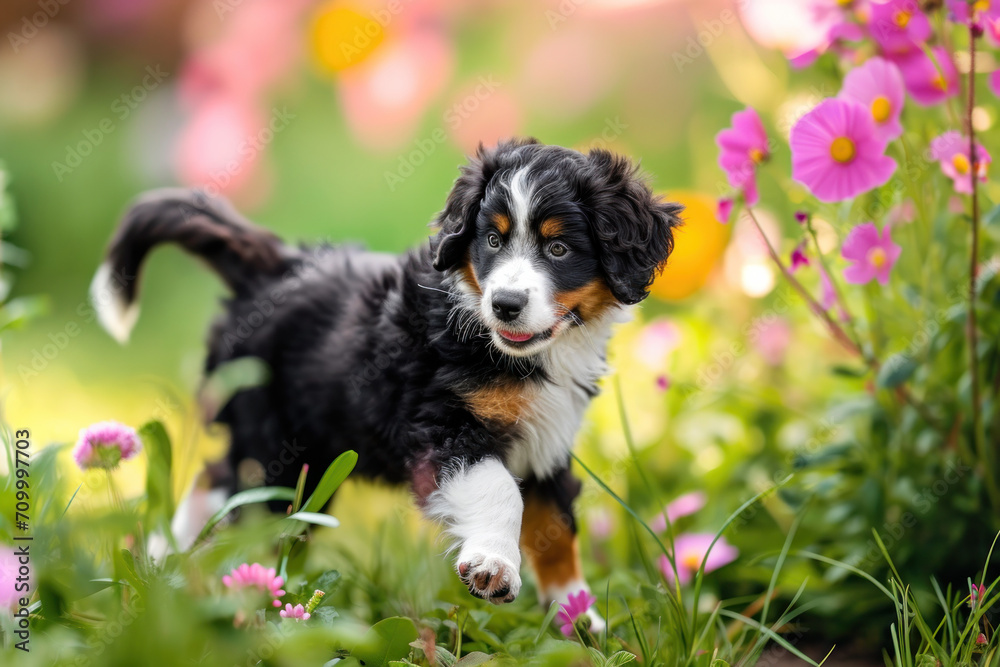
column 515, row 337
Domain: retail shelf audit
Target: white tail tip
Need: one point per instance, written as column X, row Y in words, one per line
column 113, row 312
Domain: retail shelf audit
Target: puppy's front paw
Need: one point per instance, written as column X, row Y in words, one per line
column 490, row 576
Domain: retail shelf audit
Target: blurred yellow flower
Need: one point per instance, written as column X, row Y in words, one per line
column 698, row 245
column 342, row 37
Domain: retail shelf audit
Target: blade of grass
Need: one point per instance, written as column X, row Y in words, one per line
column 774, row 636
column 732, row 517
column 630, row 443
column 248, row 497
column 945, row 608
column 849, row 568
column 71, row 499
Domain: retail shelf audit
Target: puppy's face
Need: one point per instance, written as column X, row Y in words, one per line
column 532, row 263
column 541, row 239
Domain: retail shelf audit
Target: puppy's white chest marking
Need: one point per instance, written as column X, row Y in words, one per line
column 548, row 427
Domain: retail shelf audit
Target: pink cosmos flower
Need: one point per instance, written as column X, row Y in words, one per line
column 799, row 258
column 985, row 13
column 298, row 612
column 873, row 255
column 662, row 382
column 684, row 505
column 899, row 26
column 952, row 150
column 837, row 152
column 994, row 82
column 691, row 550
column 724, row 209
column 577, row 605
column 801, row 217
column 256, row 576
column 928, row 81
column 741, row 148
column 878, row 86
column 105, row 445
column 802, row 29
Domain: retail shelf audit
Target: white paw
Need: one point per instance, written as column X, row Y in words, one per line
column 597, row 622
column 489, row 576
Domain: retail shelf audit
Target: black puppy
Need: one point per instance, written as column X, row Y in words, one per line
column 462, row 367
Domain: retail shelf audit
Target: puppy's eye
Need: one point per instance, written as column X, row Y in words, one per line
column 558, row 249
column 493, row 239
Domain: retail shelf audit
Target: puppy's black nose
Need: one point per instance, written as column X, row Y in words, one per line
column 507, row 304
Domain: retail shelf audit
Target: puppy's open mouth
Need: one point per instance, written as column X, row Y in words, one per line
column 519, row 339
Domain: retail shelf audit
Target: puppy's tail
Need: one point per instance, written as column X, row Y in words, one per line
column 241, row 253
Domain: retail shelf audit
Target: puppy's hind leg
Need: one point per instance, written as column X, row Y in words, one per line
column 480, row 505
column 207, row 495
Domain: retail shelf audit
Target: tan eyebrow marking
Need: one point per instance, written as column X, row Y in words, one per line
column 502, row 223
column 551, row 228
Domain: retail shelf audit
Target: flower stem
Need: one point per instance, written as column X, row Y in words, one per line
column 972, row 324
column 835, row 329
column 848, row 319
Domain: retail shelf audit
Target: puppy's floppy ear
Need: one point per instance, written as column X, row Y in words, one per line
column 457, row 222
column 632, row 226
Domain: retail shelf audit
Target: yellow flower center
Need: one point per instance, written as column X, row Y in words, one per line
column 902, row 18
column 961, row 163
column 939, row 82
column 981, row 5
column 845, row 3
column 757, row 155
column 876, row 257
column 842, row 150
column 881, row 109
column 691, row 562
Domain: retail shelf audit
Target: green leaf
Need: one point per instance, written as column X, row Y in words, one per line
column 624, row 657
column 843, row 370
column 18, row 312
column 387, row 640
column 248, row 497
column 895, row 371
column 326, row 582
column 316, row 519
column 547, row 621
column 159, row 494
column 332, row 479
